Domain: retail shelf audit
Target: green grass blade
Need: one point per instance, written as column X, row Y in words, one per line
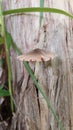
column 8, row 41
column 1, row 20
column 7, row 52
column 41, row 13
column 37, row 9
column 9, row 69
column 35, row 82
column 13, row 44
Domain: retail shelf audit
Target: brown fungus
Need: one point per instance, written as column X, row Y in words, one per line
column 37, row 55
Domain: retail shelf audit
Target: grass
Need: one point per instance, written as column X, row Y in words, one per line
column 6, row 45
column 41, row 13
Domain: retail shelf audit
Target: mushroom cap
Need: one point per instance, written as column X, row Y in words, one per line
column 37, row 55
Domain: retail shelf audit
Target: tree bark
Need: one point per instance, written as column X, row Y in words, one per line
column 55, row 35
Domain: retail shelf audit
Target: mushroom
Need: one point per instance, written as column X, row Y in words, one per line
column 37, row 55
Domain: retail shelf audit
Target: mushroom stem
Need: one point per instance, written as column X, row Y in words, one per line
column 37, row 64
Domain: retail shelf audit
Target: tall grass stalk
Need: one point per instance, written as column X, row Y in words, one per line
column 7, row 54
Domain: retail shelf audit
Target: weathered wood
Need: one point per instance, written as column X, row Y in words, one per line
column 56, row 35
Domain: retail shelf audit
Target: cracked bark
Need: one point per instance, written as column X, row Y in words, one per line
column 56, row 81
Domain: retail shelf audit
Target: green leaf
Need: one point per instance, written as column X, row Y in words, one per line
column 4, row 93
column 37, row 9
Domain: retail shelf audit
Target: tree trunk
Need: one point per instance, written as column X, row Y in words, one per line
column 55, row 35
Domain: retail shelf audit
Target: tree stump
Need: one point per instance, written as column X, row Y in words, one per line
column 55, row 35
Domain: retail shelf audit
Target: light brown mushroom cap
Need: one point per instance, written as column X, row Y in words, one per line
column 37, row 55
